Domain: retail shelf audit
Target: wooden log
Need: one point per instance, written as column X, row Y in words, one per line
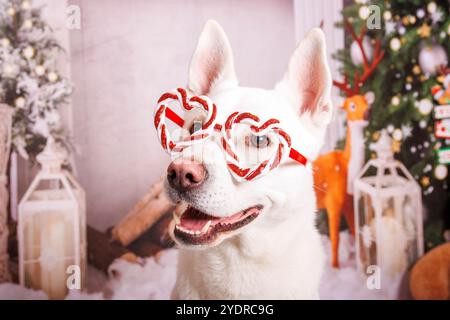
column 154, row 240
column 159, row 233
column 102, row 251
column 144, row 248
column 143, row 215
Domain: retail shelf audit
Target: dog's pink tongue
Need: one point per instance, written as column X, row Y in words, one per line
column 193, row 219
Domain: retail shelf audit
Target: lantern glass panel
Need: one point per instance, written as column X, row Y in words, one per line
column 48, row 238
column 367, row 246
column 388, row 212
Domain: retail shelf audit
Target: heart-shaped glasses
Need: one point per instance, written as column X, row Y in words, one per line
column 174, row 139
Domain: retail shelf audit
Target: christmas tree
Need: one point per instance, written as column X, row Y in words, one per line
column 29, row 81
column 414, row 37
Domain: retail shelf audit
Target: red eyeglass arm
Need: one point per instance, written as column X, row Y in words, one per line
column 174, row 117
column 293, row 154
column 297, row 156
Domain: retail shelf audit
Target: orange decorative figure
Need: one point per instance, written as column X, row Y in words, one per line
column 442, row 93
column 336, row 170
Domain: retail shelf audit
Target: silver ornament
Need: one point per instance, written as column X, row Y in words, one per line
column 431, row 58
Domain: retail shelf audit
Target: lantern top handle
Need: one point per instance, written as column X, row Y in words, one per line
column 383, row 147
column 52, row 157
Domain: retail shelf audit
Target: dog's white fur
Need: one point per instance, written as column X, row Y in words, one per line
column 279, row 254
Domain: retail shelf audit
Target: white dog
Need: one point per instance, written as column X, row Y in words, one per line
column 252, row 239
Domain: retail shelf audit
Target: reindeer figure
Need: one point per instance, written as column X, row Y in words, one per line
column 336, row 170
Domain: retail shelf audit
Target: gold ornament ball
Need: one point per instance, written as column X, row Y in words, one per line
column 405, row 21
column 425, row 181
column 424, row 31
column 376, row 135
column 416, row 69
column 52, row 76
column 396, row 146
column 409, row 79
column 412, row 19
column 19, row 102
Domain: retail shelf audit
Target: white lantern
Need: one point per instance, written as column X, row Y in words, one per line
column 5, row 144
column 52, row 229
column 388, row 213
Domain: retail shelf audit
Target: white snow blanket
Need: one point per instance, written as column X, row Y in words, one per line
column 155, row 279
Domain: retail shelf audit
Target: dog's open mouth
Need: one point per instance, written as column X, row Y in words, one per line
column 198, row 228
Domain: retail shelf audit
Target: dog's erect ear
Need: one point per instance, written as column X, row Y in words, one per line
column 308, row 82
column 212, row 63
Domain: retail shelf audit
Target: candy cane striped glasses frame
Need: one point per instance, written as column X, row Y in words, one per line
column 211, row 127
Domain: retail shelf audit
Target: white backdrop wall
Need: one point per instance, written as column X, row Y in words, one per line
column 126, row 54
column 309, row 14
column 54, row 12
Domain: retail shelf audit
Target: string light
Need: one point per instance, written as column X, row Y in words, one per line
column 395, row 44
column 364, row 12
column 11, row 11
column 19, row 102
column 28, row 52
column 431, row 7
column 52, row 76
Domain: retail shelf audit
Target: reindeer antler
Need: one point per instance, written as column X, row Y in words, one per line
column 368, row 68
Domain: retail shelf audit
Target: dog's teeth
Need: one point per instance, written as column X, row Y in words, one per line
column 197, row 232
column 206, row 227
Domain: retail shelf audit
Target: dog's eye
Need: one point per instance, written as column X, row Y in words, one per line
column 196, row 125
column 259, row 141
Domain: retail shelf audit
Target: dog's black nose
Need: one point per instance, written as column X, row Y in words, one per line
column 185, row 174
